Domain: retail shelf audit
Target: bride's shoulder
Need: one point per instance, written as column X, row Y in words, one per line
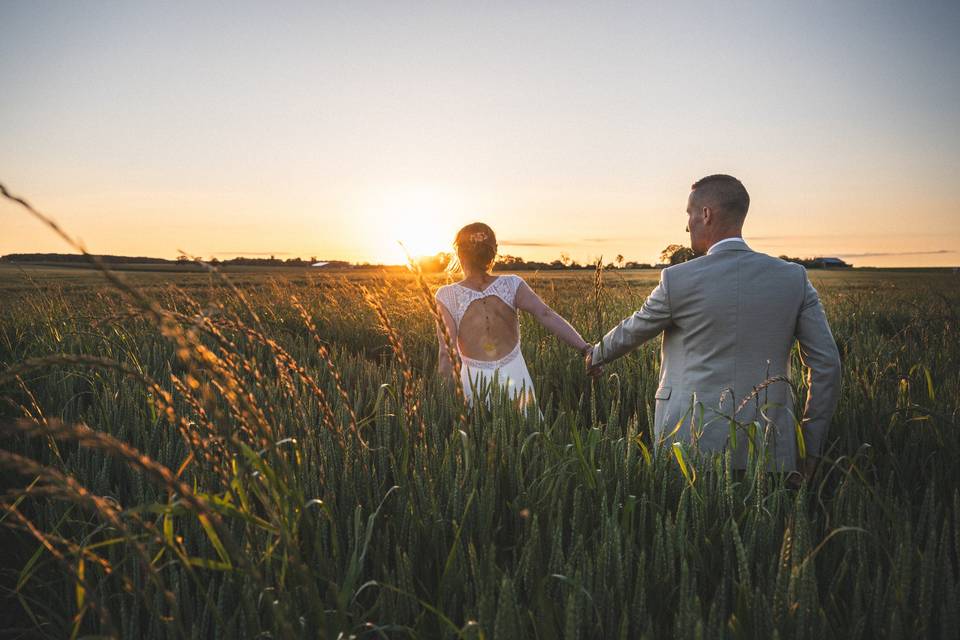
column 512, row 283
column 515, row 280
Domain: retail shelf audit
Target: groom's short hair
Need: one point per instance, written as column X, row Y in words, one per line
column 723, row 192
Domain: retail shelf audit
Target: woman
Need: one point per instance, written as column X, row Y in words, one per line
column 480, row 314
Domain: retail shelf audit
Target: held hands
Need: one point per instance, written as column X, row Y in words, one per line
column 594, row 371
column 808, row 467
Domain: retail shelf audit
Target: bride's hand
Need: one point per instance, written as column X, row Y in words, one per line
column 594, row 371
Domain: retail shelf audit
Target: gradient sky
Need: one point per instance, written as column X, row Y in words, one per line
column 336, row 129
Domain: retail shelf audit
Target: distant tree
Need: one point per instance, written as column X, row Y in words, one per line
column 676, row 253
column 511, row 261
column 619, row 261
column 565, row 259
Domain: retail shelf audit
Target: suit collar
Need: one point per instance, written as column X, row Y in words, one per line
column 729, row 244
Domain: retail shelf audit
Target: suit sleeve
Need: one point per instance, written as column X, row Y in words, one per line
column 819, row 354
column 652, row 318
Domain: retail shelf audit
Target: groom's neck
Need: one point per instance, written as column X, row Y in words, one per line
column 717, row 237
column 726, row 236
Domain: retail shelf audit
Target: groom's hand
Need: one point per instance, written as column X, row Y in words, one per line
column 594, row 371
column 808, row 466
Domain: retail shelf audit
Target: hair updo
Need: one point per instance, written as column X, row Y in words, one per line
column 476, row 246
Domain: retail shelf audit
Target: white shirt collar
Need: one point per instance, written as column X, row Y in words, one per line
column 720, row 242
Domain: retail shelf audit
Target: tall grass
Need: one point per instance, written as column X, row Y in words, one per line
column 274, row 458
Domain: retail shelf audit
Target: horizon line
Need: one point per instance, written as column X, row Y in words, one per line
column 260, row 255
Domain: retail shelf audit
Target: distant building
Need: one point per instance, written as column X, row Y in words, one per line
column 829, row 263
column 320, row 264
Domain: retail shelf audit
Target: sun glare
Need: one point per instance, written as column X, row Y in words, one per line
column 421, row 222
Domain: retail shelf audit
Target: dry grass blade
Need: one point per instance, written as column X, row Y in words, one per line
column 331, row 367
column 105, row 619
column 757, row 389
column 426, row 296
column 288, row 367
column 226, row 280
column 598, row 298
column 159, row 397
column 87, row 437
column 396, row 344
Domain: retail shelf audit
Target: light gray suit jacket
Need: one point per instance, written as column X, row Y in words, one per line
column 729, row 320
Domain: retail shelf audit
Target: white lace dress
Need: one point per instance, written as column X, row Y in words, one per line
column 509, row 372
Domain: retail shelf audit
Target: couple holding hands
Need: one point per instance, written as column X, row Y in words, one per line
column 729, row 320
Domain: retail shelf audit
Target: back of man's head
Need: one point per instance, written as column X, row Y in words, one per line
column 725, row 195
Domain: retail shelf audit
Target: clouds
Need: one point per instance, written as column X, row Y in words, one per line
column 526, row 243
column 894, row 253
column 565, row 243
column 835, row 236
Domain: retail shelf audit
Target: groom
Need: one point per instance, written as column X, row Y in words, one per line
column 729, row 320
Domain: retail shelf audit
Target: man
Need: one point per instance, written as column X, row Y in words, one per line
column 729, row 319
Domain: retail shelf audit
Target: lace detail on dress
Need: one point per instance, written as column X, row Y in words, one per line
column 456, row 297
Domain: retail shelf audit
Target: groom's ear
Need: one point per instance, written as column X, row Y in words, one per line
column 708, row 215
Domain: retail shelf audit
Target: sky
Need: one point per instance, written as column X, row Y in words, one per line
column 339, row 129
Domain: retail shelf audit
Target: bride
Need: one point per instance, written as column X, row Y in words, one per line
column 480, row 314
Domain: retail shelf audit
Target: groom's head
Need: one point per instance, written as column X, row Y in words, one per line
column 716, row 209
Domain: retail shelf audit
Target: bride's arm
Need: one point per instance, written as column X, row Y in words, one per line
column 444, row 364
column 530, row 302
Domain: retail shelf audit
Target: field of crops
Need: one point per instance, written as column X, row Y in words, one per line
column 187, row 456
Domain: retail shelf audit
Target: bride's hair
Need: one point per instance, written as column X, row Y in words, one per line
column 476, row 246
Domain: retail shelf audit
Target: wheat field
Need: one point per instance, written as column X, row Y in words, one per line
column 265, row 454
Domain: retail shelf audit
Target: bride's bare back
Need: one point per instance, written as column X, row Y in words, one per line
column 488, row 330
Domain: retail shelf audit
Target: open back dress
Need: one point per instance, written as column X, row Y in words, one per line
column 480, row 376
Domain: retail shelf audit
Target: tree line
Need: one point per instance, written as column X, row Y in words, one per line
column 671, row 255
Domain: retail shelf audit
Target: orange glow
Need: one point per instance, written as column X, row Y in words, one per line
column 421, row 221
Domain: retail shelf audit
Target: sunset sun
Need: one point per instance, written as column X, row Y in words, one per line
column 419, row 222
